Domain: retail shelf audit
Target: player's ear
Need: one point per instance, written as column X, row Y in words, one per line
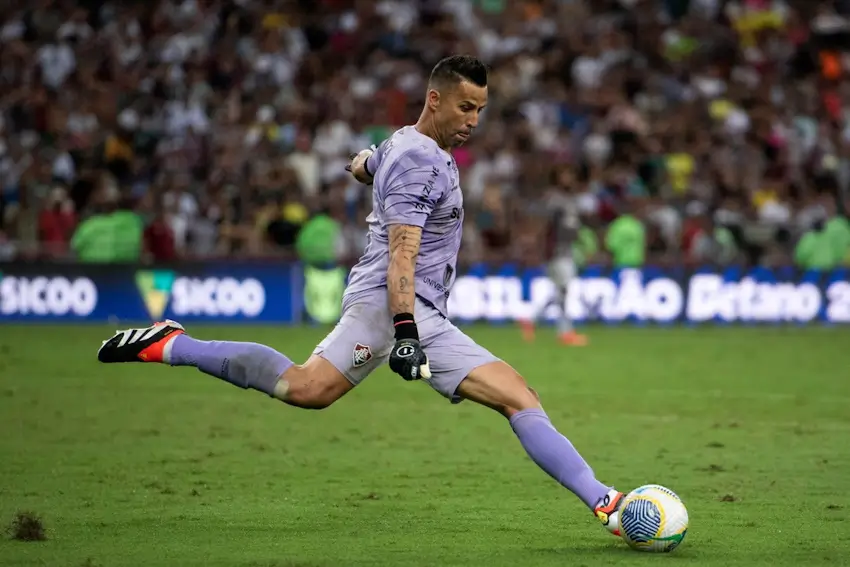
column 433, row 99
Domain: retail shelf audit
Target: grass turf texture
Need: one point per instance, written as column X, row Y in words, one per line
column 142, row 465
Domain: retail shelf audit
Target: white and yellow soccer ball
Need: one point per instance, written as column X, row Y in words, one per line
column 653, row 518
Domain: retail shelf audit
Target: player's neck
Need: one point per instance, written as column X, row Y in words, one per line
column 426, row 127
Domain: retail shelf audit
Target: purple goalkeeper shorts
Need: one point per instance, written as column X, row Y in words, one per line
column 363, row 339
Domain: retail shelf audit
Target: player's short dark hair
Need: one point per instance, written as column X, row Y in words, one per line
column 457, row 68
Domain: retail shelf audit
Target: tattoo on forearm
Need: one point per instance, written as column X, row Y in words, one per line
column 404, row 248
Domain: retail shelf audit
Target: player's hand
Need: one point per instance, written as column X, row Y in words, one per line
column 408, row 360
column 357, row 166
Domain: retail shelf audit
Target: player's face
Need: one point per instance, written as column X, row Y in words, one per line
column 459, row 111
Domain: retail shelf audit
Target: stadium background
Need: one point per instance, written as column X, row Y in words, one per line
column 196, row 134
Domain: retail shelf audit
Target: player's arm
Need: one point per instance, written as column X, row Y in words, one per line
column 407, row 358
column 404, row 248
column 408, row 203
column 360, row 166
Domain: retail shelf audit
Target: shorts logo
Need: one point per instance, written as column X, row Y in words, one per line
column 405, row 351
column 361, row 355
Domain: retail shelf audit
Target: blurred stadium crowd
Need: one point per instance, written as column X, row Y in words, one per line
column 220, row 128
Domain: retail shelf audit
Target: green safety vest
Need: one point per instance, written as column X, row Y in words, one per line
column 323, row 291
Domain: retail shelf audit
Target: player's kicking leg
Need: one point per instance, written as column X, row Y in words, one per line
column 462, row 369
column 498, row 386
column 323, row 379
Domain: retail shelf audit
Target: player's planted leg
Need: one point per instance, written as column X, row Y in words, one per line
column 498, row 386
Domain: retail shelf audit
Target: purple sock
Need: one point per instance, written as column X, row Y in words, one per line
column 556, row 455
column 247, row 365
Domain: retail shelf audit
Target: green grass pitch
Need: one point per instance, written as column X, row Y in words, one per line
column 141, row 465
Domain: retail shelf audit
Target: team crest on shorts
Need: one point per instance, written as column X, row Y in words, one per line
column 361, row 355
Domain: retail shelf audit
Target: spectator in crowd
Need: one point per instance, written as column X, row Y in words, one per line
column 56, row 223
column 704, row 241
column 158, row 237
column 726, row 123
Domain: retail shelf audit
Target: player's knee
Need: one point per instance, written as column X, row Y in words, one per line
column 500, row 387
column 523, row 399
column 308, row 396
column 308, row 389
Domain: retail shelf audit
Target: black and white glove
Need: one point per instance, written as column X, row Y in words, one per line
column 358, row 165
column 407, row 358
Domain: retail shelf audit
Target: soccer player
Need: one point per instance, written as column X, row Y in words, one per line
column 394, row 308
column 563, row 245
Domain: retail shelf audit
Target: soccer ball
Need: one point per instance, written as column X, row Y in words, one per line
column 653, row 518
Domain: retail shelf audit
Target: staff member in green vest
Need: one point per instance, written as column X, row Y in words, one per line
column 324, row 279
column 815, row 250
column 626, row 241
column 112, row 235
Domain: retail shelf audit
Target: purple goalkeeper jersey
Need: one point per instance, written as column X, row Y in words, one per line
column 415, row 183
